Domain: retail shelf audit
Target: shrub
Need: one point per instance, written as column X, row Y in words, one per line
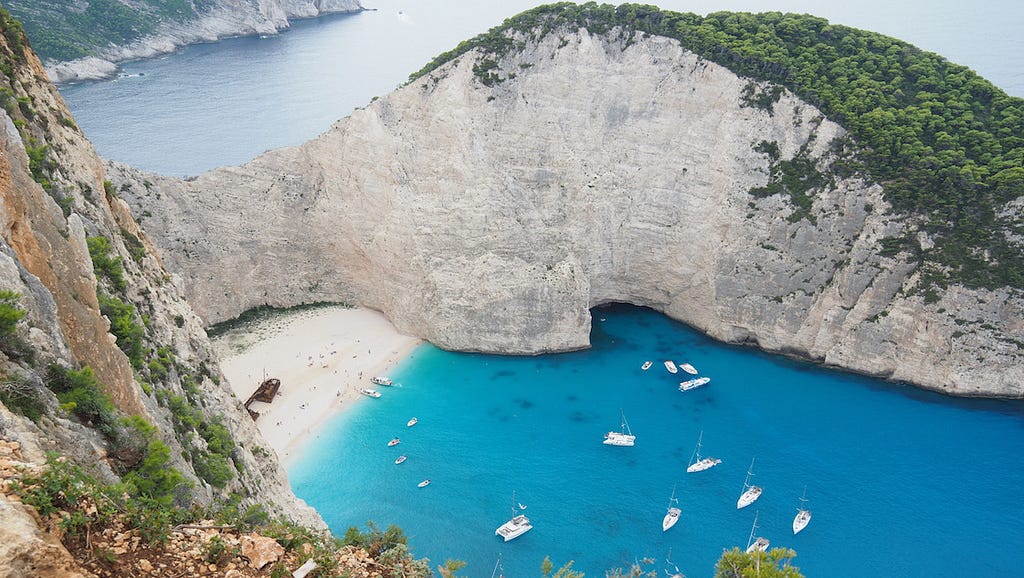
column 80, row 393
column 110, row 268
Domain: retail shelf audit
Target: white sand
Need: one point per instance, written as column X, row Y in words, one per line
column 323, row 357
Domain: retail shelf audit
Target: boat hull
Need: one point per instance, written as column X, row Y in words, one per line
column 514, row 528
column 800, row 521
column 670, row 519
column 748, row 497
column 613, row 438
column 704, row 464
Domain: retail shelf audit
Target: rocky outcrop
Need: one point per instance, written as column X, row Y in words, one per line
column 488, row 209
column 216, row 20
column 54, row 197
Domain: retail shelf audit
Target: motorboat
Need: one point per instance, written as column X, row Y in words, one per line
column 671, row 366
column 369, row 392
column 399, row 459
column 646, row 365
column 381, row 380
column 518, row 525
column 412, row 422
column 394, row 442
column 688, row 368
column 693, row 383
column 423, row 484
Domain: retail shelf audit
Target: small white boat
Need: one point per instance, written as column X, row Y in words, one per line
column 399, row 459
column 646, row 365
column 381, row 380
column 670, row 366
column 675, row 572
column 803, row 515
column 623, row 438
column 750, row 493
column 756, row 545
column 412, row 422
column 672, row 516
column 394, row 442
column 698, row 464
column 369, row 392
column 688, row 368
column 424, row 483
column 693, row 383
column 517, row 526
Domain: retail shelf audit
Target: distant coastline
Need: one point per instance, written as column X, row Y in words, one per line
column 106, row 63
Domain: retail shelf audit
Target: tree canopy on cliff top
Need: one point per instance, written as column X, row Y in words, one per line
column 946, row 144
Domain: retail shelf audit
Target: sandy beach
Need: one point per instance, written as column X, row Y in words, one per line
column 322, row 356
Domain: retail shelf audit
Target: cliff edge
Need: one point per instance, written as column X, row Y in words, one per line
column 489, row 204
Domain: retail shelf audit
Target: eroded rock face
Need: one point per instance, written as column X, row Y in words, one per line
column 219, row 19
column 491, row 218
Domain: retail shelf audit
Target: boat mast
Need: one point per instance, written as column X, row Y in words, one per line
column 750, row 472
column 753, row 529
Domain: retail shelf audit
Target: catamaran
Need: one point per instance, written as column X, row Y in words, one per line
column 750, row 493
column 803, row 515
column 698, row 464
column 623, row 438
column 760, row 544
column 673, row 512
column 517, row 526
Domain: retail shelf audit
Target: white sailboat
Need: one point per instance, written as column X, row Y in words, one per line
column 750, row 493
column 671, row 366
column 623, row 438
column 518, row 525
column 803, row 515
column 698, row 464
column 672, row 516
column 756, row 545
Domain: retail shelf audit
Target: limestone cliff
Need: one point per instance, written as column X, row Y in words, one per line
column 144, row 28
column 490, row 204
column 55, row 207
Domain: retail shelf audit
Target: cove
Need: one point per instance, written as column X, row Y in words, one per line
column 901, row 482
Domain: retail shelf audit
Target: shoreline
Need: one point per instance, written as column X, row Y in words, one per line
column 322, row 356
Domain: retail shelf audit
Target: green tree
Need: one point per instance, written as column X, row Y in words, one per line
column 773, row 564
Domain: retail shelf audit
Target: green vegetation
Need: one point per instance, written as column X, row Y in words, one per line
column 10, row 314
column 109, row 268
column 128, row 332
column 21, row 396
column 946, row 144
column 264, row 312
column 210, row 459
column 774, row 564
column 795, row 177
column 66, row 29
column 80, row 394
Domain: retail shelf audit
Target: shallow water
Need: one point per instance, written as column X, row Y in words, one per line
column 901, row 482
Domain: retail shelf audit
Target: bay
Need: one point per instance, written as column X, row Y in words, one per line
column 222, row 104
column 901, row 482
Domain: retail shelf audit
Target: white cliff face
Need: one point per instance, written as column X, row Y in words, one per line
column 223, row 19
column 492, row 218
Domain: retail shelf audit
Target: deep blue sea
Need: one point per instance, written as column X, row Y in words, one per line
column 901, row 482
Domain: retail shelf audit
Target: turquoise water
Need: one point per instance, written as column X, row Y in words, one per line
column 900, row 482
